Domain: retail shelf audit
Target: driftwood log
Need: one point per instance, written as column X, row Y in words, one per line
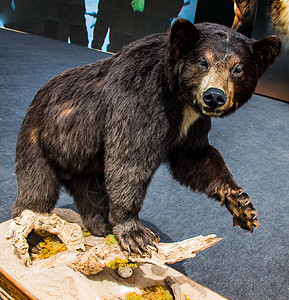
column 69, row 233
column 95, row 253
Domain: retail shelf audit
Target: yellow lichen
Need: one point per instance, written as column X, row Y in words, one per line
column 121, row 263
column 187, row 298
column 50, row 245
column 155, row 292
column 111, row 240
column 133, row 296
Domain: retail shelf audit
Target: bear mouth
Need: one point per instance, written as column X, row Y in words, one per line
column 211, row 112
column 206, row 111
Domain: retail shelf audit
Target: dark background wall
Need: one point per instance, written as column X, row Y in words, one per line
column 74, row 20
column 275, row 82
column 217, row 11
column 110, row 24
column 59, row 19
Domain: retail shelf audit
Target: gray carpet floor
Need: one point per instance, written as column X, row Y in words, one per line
column 254, row 142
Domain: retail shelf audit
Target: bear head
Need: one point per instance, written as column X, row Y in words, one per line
column 215, row 67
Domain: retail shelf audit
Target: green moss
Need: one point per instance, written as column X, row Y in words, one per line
column 111, row 240
column 86, row 233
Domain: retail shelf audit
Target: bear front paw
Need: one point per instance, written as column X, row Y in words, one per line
column 134, row 237
column 241, row 207
column 97, row 228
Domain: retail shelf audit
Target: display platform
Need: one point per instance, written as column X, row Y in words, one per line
column 61, row 282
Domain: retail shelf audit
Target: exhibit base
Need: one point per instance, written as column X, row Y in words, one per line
column 62, row 282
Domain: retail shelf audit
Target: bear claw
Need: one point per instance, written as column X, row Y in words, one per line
column 134, row 237
column 244, row 214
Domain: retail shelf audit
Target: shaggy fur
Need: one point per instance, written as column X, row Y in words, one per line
column 244, row 16
column 279, row 15
column 102, row 130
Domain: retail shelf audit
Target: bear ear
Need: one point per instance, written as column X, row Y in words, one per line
column 266, row 50
column 182, row 35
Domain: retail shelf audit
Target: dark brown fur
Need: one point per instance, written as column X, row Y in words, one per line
column 103, row 129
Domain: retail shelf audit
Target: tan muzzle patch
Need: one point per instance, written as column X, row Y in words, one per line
column 218, row 85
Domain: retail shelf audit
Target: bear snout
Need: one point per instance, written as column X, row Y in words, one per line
column 214, row 98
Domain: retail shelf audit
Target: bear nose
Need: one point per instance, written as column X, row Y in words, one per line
column 214, row 97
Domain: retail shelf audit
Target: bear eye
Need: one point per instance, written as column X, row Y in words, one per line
column 238, row 70
column 203, row 63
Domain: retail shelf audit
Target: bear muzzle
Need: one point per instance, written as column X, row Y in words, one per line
column 214, row 98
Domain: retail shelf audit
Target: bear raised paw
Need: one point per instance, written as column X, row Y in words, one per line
column 102, row 130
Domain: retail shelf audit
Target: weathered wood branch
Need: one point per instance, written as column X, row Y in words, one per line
column 69, row 233
column 99, row 253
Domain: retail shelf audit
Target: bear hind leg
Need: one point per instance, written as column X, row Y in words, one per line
column 38, row 187
column 92, row 202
